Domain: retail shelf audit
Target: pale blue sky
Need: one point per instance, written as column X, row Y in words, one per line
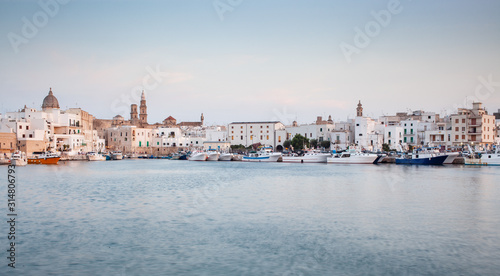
column 265, row 60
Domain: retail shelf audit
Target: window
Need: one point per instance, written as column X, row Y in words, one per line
column 279, row 139
column 357, row 124
column 389, row 136
column 125, row 139
column 260, row 126
column 232, row 137
column 463, row 137
column 405, row 130
column 20, row 127
column 405, row 139
column 456, row 128
column 27, row 127
column 411, row 139
column 463, row 121
column 456, row 137
column 411, row 131
column 261, row 137
column 456, row 121
column 360, row 134
column 267, row 137
column 463, row 128
column 267, row 126
column 241, row 137
column 251, row 126
column 241, row 127
column 157, row 143
column 24, row 135
column 321, row 129
column 197, row 142
column 251, row 137
column 31, row 135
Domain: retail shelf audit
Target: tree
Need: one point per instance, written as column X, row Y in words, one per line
column 386, row 148
column 287, row 144
column 325, row 144
column 299, row 142
column 314, row 143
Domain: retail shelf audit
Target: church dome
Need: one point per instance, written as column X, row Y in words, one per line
column 50, row 101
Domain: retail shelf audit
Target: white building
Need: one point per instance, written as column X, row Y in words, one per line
column 249, row 133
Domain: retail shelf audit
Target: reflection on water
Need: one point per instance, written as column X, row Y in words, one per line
column 162, row 217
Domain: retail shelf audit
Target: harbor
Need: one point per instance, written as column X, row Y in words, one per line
column 145, row 216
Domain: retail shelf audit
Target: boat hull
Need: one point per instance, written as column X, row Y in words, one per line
column 305, row 159
column 44, row 161
column 225, row 157
column 213, row 157
column 368, row 159
column 437, row 160
column 271, row 158
column 198, row 157
column 96, row 158
column 484, row 161
column 451, row 157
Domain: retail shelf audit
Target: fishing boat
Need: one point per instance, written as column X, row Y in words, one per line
column 212, row 155
column 265, row 154
column 94, row 156
column 307, row 157
column 237, row 157
column 483, row 159
column 18, row 158
column 44, row 158
column 418, row 159
column 226, row 156
column 353, row 156
column 116, row 155
column 198, row 156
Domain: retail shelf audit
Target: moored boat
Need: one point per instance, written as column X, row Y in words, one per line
column 94, row 156
column 264, row 155
column 18, row 158
column 226, row 157
column 212, row 155
column 416, row 159
column 198, row 156
column 116, row 155
column 354, row 157
column 44, row 158
column 308, row 157
column 484, row 159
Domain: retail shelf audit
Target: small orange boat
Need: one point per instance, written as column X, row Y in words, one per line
column 44, row 158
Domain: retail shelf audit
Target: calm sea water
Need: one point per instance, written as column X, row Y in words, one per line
column 162, row 217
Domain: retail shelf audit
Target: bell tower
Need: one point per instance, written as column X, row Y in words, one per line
column 143, row 116
column 359, row 110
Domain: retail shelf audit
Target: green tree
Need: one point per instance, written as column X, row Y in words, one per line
column 325, row 144
column 386, row 148
column 287, row 144
column 313, row 143
column 299, row 142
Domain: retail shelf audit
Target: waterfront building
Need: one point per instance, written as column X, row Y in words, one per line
column 368, row 133
column 221, row 146
column 129, row 139
column 320, row 130
column 250, row 133
column 473, row 126
column 51, row 128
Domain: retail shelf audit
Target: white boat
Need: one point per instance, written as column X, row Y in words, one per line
column 226, row 157
column 212, row 155
column 19, row 158
column 94, row 156
column 266, row 154
column 116, row 155
column 237, row 157
column 353, row 157
column 198, row 156
column 4, row 160
column 308, row 157
column 483, row 159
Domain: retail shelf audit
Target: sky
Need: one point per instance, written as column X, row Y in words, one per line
column 242, row 60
